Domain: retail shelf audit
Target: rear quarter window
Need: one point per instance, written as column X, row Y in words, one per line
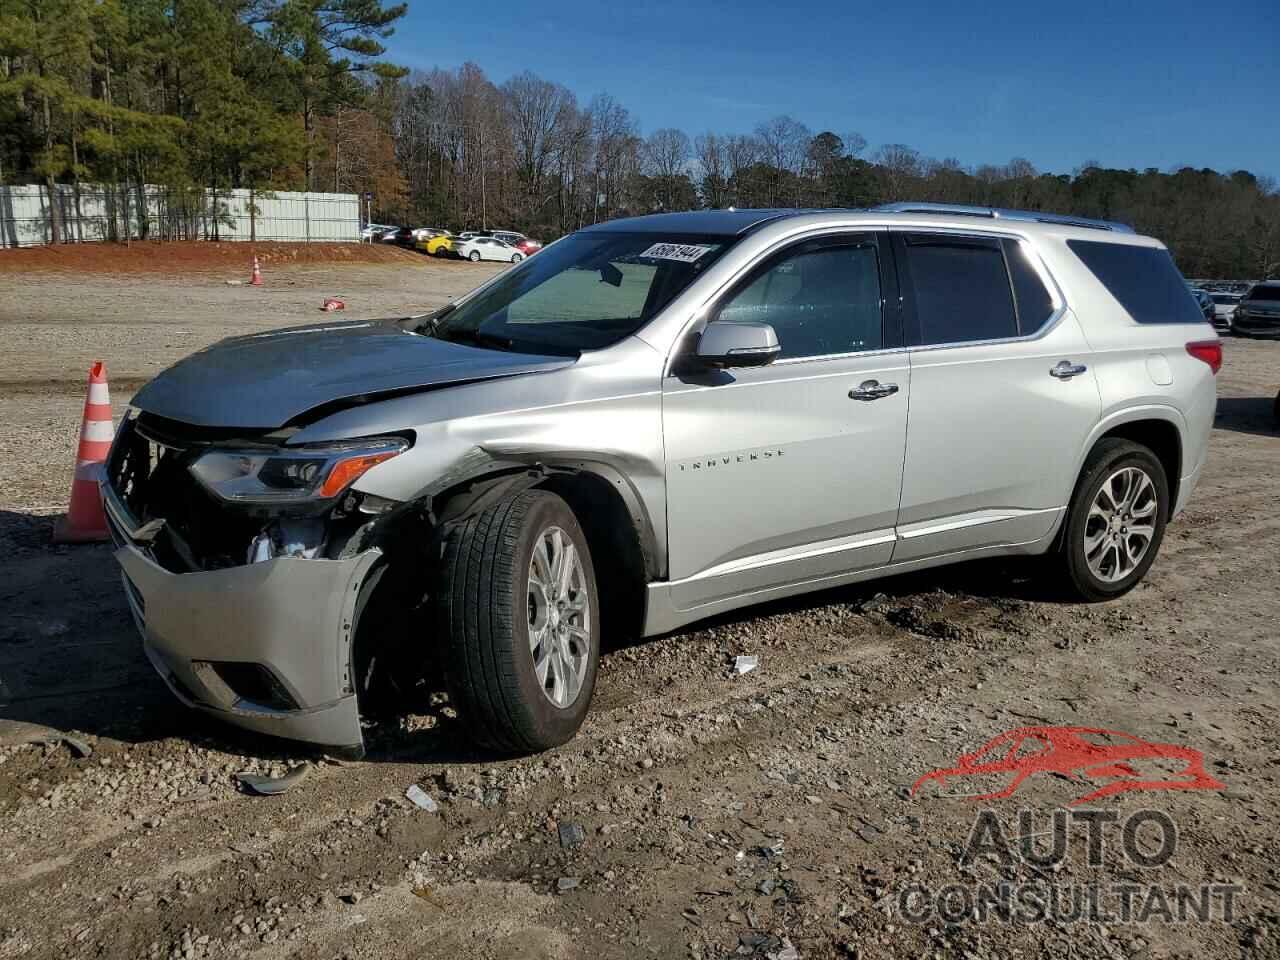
column 1143, row 279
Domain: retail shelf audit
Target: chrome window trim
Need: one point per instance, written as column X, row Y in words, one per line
column 1042, row 271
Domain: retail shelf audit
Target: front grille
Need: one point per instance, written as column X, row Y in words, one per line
column 148, row 470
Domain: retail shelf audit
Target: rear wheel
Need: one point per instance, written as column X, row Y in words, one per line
column 519, row 612
column 516, row 258
column 1115, row 522
column 475, row 256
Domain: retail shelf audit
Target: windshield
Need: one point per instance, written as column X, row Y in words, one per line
column 1264, row 293
column 1225, row 298
column 585, row 292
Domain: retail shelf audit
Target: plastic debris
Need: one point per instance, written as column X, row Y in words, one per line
column 565, row 884
column 743, row 665
column 271, row 786
column 14, row 732
column 572, row 835
column 333, row 303
column 420, row 798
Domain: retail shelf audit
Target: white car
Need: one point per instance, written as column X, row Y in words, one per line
column 1224, row 309
column 373, row 231
column 487, row 248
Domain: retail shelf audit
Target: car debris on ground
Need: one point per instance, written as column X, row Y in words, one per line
column 265, row 786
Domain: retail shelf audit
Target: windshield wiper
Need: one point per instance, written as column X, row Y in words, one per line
column 478, row 337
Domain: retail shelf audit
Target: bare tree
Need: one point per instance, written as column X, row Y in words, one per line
column 901, row 165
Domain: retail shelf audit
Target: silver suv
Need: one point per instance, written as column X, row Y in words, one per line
column 654, row 421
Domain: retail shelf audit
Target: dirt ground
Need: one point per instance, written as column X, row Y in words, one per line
column 765, row 814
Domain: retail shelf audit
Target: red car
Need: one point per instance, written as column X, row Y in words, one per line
column 528, row 247
column 1080, row 754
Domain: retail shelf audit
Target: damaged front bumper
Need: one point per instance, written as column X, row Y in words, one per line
column 266, row 646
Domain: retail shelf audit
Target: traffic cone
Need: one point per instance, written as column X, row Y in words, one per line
column 257, row 274
column 85, row 522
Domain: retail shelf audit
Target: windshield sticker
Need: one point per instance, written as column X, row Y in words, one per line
column 684, row 252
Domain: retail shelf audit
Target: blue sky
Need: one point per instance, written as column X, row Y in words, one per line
column 1156, row 84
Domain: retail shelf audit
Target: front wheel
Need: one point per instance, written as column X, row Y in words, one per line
column 519, row 614
column 516, row 258
column 1115, row 522
column 475, row 256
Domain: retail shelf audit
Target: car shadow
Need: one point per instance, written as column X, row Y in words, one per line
column 1253, row 415
column 70, row 656
column 1022, row 579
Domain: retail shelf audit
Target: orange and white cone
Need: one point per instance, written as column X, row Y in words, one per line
column 85, row 521
column 256, row 280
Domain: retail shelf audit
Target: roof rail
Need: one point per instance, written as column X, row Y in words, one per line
column 999, row 213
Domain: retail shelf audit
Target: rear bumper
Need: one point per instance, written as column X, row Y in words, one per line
column 288, row 623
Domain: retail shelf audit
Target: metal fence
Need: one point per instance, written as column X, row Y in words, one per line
column 93, row 212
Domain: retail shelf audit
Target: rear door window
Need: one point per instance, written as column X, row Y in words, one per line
column 1143, row 279
column 1032, row 298
column 960, row 289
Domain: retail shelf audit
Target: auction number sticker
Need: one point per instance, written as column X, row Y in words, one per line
column 684, row 252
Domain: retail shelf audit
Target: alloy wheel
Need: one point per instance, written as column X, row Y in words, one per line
column 559, row 617
column 1121, row 524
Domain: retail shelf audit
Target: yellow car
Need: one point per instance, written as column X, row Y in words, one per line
column 438, row 245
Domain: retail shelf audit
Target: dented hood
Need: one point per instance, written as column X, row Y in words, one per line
column 266, row 380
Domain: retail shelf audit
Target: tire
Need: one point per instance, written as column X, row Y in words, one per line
column 516, row 258
column 488, row 605
column 475, row 256
column 1111, row 544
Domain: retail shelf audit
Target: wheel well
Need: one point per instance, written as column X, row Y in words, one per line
column 1161, row 438
column 616, row 552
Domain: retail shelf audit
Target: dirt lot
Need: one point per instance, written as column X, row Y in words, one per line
column 721, row 815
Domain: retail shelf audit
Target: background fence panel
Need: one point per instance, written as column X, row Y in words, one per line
column 93, row 212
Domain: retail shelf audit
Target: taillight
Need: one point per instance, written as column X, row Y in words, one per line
column 1210, row 351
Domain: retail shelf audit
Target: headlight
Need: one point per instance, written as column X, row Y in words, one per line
column 291, row 475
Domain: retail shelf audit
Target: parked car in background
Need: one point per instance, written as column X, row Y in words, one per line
column 525, row 244
column 1204, row 301
column 438, row 244
column 1258, row 314
column 1224, row 309
column 400, row 236
column 374, row 231
column 655, row 421
column 487, row 248
column 425, row 233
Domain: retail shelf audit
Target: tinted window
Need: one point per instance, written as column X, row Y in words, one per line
column 1264, row 293
column 960, row 289
column 1143, row 279
column 1225, row 298
column 819, row 301
column 1035, row 306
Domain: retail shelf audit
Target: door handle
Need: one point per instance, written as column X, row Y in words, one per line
column 1065, row 369
column 872, row 390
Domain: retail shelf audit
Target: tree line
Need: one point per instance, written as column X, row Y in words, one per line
column 295, row 94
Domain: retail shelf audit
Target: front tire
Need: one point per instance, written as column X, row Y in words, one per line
column 475, row 256
column 516, row 258
column 519, row 614
column 1116, row 521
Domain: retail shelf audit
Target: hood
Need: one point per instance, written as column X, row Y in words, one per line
column 266, row 380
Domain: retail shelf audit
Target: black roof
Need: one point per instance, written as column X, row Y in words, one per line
column 723, row 222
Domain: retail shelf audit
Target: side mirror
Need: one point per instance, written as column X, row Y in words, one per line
column 726, row 344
